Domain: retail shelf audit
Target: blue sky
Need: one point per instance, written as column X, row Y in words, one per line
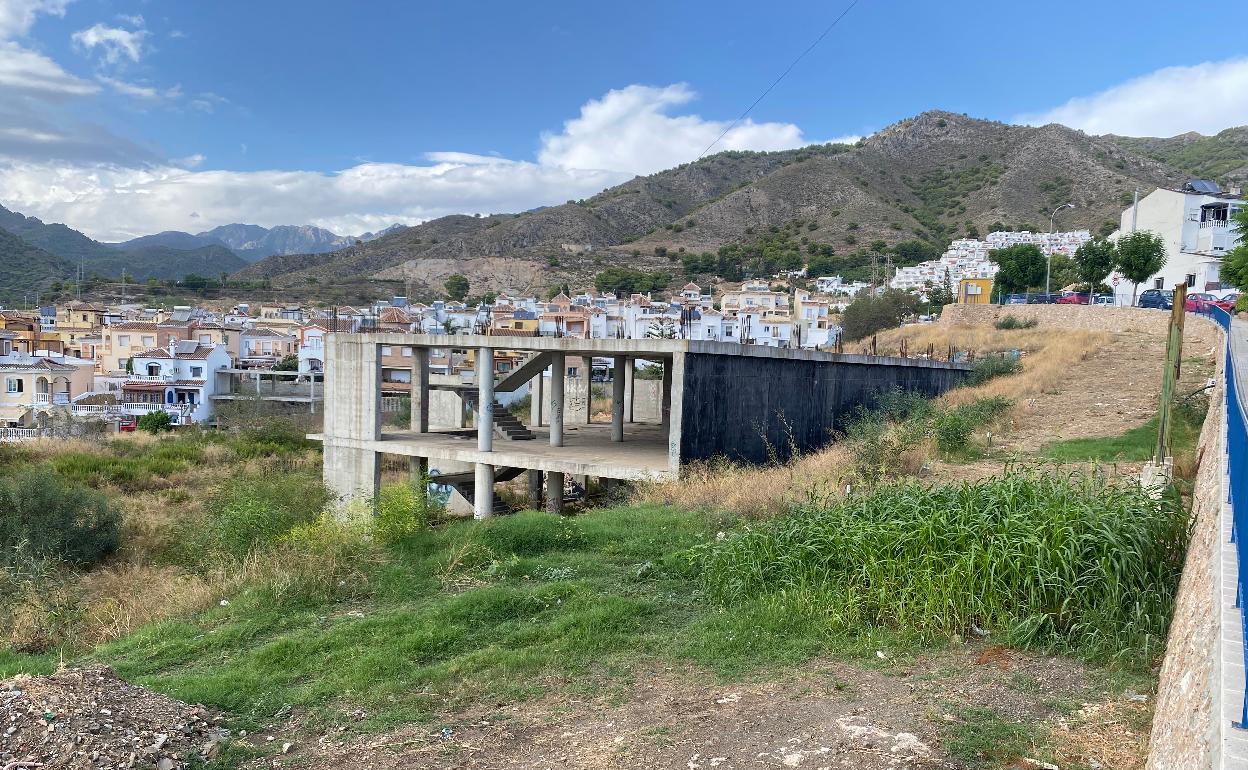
column 285, row 112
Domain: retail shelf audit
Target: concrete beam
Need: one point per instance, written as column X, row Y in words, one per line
column 485, row 400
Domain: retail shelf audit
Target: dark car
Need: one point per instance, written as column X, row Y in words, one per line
column 1041, row 299
column 1016, row 299
column 1162, row 299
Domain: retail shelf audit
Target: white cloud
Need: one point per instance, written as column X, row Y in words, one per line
column 114, row 43
column 629, row 129
column 29, row 74
column 627, row 132
column 17, row 16
column 1206, row 98
column 139, row 91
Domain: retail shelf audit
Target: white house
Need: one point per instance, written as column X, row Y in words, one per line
column 179, row 379
column 1196, row 225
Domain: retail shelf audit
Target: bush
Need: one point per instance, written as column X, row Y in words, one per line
column 1014, row 322
column 255, row 511
column 1072, row 561
column 45, row 516
column 988, row 367
column 156, row 422
column 401, row 512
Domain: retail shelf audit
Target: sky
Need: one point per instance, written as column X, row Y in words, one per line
column 127, row 117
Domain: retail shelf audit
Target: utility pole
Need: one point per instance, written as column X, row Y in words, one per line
column 1048, row 264
column 1135, row 209
column 1170, row 377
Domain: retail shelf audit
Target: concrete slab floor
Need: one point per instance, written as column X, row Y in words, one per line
column 587, row 450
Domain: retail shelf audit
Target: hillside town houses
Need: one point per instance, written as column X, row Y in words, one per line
column 127, row 360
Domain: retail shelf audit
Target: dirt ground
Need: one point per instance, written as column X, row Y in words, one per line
column 828, row 715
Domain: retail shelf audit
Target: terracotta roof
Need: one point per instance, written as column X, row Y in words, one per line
column 38, row 364
column 134, row 326
column 200, row 353
column 262, row 332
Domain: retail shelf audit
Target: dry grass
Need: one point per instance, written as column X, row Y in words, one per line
column 761, row 492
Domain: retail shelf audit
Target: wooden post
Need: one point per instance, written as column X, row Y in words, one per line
column 872, row 344
column 1170, row 377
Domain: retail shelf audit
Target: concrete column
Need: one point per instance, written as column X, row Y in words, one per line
column 554, row 492
column 558, row 371
column 630, row 372
column 587, row 371
column 617, row 397
column 535, row 490
column 485, row 402
column 419, row 475
column 483, row 491
column 537, row 400
column 352, row 474
column 420, row 390
column 666, row 393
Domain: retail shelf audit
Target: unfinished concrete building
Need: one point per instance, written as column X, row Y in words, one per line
column 746, row 403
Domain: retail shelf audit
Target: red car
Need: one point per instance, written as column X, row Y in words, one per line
column 1073, row 298
column 1201, row 302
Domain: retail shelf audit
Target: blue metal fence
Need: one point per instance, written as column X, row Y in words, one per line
column 1237, row 467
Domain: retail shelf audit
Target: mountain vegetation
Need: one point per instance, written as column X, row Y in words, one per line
column 902, row 193
column 1222, row 157
column 27, row 270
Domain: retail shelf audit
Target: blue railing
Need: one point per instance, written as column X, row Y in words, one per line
column 1237, row 469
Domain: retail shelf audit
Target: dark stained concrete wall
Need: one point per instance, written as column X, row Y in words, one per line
column 735, row 406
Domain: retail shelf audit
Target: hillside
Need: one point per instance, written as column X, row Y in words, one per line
column 253, row 242
column 27, row 269
column 166, row 255
column 1223, row 157
column 162, row 262
column 931, row 178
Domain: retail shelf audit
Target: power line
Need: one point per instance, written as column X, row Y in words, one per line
column 762, row 96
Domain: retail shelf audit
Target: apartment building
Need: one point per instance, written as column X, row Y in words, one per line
column 1196, row 223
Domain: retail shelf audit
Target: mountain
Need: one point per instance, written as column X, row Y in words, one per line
column 157, row 261
column 930, row 178
column 1222, row 157
column 27, row 270
column 252, row 242
column 157, row 256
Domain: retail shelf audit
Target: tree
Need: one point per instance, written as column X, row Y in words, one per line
column 456, row 286
column 289, row 363
column 1235, row 264
column 1094, row 261
column 1021, row 266
column 156, row 422
column 1140, row 255
column 867, row 315
column 625, row 281
column 663, row 329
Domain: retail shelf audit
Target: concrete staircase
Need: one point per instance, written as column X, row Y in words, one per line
column 505, row 423
column 466, row 485
column 527, row 370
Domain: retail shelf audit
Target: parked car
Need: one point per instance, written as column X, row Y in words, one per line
column 1041, row 299
column 1104, row 299
column 1072, row 298
column 1016, row 299
column 1204, row 302
column 1162, row 299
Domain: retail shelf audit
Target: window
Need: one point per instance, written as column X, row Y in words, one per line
column 149, row 341
column 1191, row 280
column 385, row 350
column 121, row 363
column 1158, row 283
column 407, row 352
column 123, row 340
column 205, row 339
column 15, row 385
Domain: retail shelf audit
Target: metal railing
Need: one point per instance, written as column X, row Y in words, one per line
column 1237, row 470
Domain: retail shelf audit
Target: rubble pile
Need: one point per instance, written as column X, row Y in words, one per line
column 88, row 719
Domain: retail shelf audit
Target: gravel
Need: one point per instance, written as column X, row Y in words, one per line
column 88, row 718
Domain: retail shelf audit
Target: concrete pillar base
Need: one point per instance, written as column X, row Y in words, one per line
column 483, row 492
column 352, row 474
column 554, row 492
column 419, row 476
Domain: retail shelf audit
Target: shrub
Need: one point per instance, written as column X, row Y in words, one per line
column 988, row 367
column 401, row 511
column 1072, row 561
column 254, row 511
column 45, row 516
column 156, row 422
column 1014, row 322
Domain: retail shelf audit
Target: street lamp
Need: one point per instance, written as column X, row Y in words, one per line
column 1048, row 265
